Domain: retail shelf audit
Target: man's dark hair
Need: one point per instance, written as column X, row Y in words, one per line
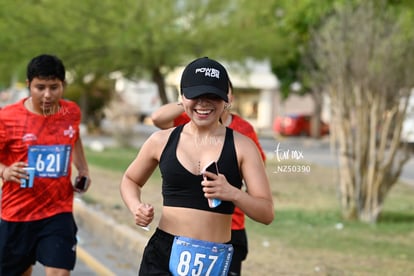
column 46, row 67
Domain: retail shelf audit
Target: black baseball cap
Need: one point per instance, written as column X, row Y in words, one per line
column 204, row 76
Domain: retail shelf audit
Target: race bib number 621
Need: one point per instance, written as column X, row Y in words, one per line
column 50, row 161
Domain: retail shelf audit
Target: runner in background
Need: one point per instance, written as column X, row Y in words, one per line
column 39, row 139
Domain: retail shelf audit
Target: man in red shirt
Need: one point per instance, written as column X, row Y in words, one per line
column 40, row 132
column 172, row 115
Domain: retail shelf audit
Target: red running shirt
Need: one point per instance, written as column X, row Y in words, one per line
column 46, row 142
column 244, row 127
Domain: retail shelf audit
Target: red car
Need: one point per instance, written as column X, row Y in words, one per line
column 296, row 125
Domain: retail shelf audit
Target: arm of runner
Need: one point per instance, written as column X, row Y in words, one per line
column 79, row 160
column 165, row 115
column 137, row 174
column 257, row 202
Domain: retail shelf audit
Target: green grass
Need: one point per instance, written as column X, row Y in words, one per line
column 325, row 229
column 116, row 159
column 391, row 237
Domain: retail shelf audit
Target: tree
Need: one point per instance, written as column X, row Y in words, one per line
column 66, row 30
column 363, row 59
column 292, row 25
column 161, row 35
column 141, row 39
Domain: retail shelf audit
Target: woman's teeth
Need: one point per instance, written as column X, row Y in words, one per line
column 203, row 112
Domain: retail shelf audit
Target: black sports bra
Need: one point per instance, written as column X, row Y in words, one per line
column 181, row 188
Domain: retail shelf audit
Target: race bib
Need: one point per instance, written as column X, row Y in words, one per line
column 49, row 161
column 199, row 258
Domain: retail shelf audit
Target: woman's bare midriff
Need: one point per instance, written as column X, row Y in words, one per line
column 196, row 224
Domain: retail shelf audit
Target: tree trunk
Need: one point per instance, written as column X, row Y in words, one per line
column 316, row 118
column 368, row 168
column 158, row 78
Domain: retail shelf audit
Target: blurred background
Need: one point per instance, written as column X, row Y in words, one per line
column 338, row 71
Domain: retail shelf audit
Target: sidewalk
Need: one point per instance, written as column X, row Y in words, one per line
column 114, row 247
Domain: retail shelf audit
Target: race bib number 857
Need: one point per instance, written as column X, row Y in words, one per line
column 49, row 161
column 199, row 258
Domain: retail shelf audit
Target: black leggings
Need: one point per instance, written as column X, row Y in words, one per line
column 239, row 242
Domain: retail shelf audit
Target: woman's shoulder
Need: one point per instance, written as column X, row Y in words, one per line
column 156, row 142
column 160, row 136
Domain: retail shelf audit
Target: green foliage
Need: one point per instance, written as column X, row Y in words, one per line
column 294, row 25
column 138, row 38
column 91, row 97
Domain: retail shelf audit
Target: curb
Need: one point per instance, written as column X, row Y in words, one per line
column 120, row 236
column 92, row 263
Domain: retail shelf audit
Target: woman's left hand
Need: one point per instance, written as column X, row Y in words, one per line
column 217, row 186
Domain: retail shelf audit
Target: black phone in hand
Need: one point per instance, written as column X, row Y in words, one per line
column 81, row 183
column 212, row 167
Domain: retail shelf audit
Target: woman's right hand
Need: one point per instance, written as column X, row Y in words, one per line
column 144, row 214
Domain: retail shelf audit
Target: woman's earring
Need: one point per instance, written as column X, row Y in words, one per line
column 227, row 106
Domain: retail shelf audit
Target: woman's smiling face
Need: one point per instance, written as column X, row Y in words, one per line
column 204, row 109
